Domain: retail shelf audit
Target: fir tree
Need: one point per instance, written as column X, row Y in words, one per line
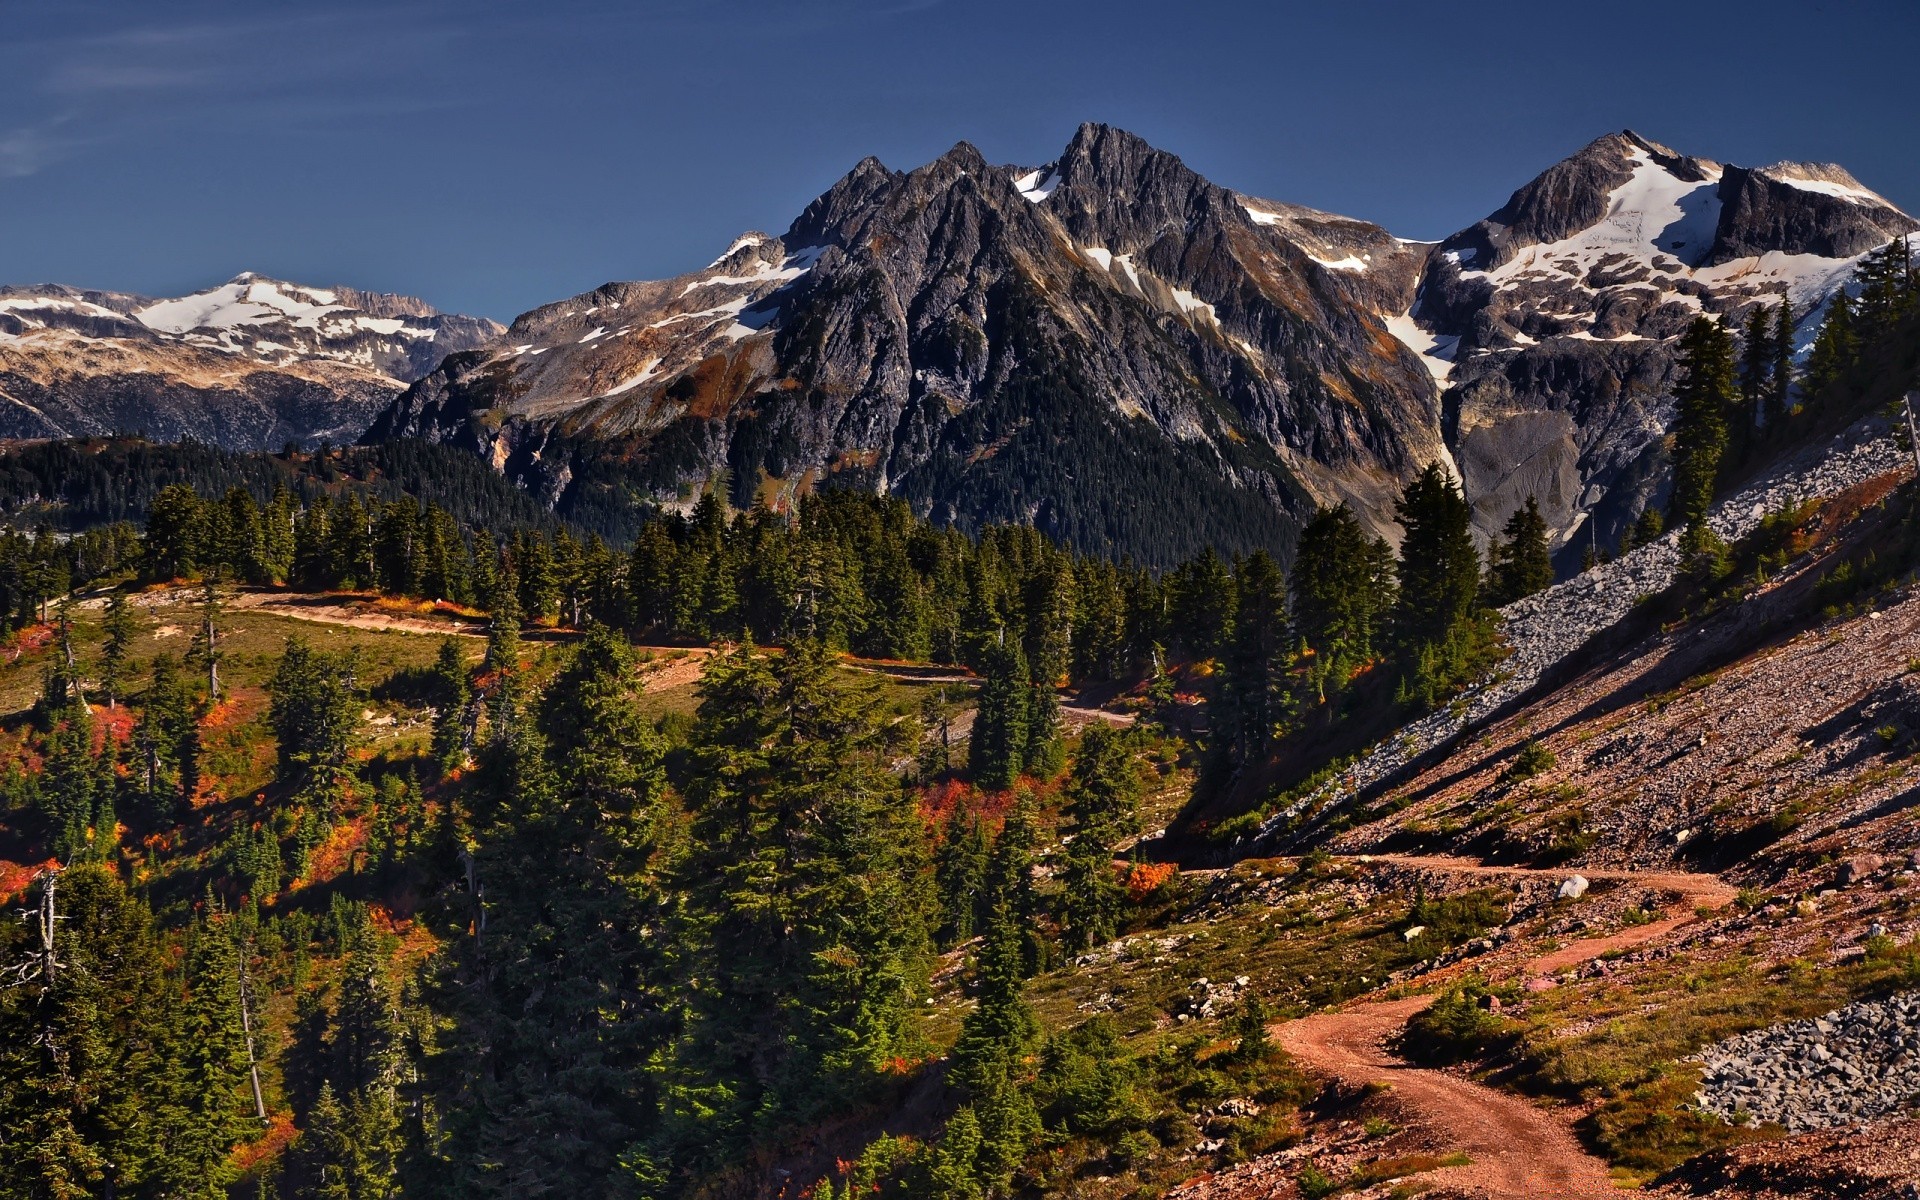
column 1701, row 402
column 1779, row 398
column 451, row 723
column 1103, row 795
column 1342, row 591
column 1436, row 617
column 959, row 872
column 1256, row 659
column 997, row 747
column 1520, row 563
column 1836, row 348
column 118, row 623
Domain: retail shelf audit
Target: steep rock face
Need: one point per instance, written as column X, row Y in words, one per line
column 252, row 364
column 1109, row 346
column 1558, row 314
column 1116, row 349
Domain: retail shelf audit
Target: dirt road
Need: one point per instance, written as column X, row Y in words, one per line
column 1519, row 1152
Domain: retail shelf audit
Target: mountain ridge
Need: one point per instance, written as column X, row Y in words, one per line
column 248, row 365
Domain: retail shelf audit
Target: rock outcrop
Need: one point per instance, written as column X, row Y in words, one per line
column 1851, row 1066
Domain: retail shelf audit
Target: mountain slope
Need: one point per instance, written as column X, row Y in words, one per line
column 1110, row 347
column 252, row 364
column 1125, row 354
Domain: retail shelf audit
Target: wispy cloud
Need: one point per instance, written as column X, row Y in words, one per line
column 27, row 149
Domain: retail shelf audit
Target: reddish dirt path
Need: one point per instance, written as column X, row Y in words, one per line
column 1519, row 1152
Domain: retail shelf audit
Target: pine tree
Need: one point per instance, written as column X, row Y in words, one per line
column 1047, row 603
column 451, row 725
column 1009, row 879
column 1779, row 399
column 167, row 742
column 1702, row 399
column 959, row 873
column 807, row 882
column 1756, row 357
column 206, row 1109
column 1520, row 564
column 997, row 747
column 990, row 1056
column 1103, row 795
column 315, row 715
column 1342, row 591
column 118, row 622
column 1436, row 616
column 1836, row 348
column 84, row 1027
column 1253, row 695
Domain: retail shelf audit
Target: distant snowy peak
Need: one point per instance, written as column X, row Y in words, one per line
column 280, row 322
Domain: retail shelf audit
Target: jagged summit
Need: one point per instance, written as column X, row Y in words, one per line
column 1023, row 342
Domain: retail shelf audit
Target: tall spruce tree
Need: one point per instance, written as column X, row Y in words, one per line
column 807, row 891
column 1836, row 348
column 1103, row 798
column 119, row 625
column 1779, row 401
column 1253, row 687
column 1702, row 400
column 1436, row 615
column 997, row 747
column 1342, row 591
column 1520, row 563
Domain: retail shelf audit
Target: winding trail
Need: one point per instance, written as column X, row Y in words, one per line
column 1518, row 1151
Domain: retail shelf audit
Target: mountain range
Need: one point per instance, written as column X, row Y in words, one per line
column 1108, row 346
column 251, row 364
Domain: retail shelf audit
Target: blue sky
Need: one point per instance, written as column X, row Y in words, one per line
column 492, row 156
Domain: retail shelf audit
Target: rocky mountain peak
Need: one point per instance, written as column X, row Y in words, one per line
column 1580, row 191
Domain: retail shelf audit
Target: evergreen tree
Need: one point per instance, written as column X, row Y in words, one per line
column 1436, row 617
column 83, row 1031
column 118, row 623
column 1253, row 689
column 167, row 741
column 1103, row 796
column 1520, row 563
column 315, row 714
column 1836, row 348
column 1779, row 400
column 205, row 1111
column 997, row 748
column 959, row 873
column 1009, row 882
column 1701, row 402
column 451, row 724
column 806, row 881
column 1342, row 591
column 1756, row 360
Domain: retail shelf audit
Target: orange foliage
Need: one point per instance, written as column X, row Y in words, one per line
column 272, row 1144
column 1144, row 879
column 14, row 877
column 332, row 857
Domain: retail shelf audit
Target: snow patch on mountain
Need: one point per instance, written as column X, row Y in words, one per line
column 1037, row 185
column 1435, row 350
